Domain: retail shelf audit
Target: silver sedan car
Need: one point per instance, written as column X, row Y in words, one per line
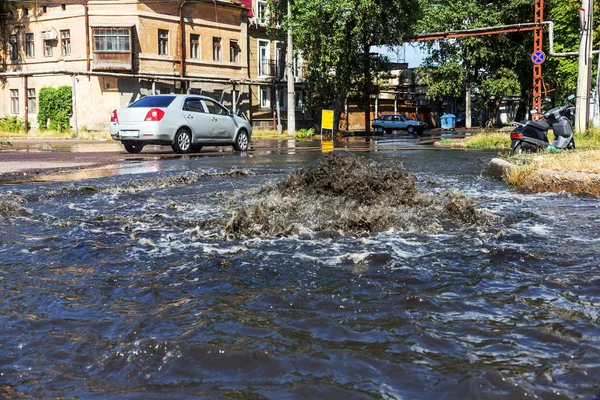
column 185, row 122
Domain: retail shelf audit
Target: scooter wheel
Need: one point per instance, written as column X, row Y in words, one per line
column 518, row 149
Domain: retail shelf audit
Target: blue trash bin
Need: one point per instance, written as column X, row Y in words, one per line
column 448, row 121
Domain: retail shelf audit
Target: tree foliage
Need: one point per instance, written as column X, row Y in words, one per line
column 336, row 38
column 561, row 72
column 492, row 65
column 495, row 65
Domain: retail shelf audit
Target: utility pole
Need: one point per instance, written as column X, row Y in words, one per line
column 291, row 106
column 584, row 75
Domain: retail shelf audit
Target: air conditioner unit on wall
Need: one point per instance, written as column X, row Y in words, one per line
column 49, row 35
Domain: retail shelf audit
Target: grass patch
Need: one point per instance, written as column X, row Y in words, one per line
column 582, row 161
column 489, row 140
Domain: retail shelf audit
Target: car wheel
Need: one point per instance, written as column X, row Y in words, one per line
column 411, row 130
column 195, row 148
column 389, row 131
column 133, row 147
column 183, row 142
column 241, row 141
column 378, row 129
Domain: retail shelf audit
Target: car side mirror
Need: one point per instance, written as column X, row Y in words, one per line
column 571, row 97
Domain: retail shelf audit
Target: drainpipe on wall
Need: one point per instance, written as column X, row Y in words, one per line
column 87, row 36
column 182, row 47
column 26, row 115
column 74, row 98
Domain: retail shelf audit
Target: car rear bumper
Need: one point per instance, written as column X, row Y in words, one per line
column 146, row 131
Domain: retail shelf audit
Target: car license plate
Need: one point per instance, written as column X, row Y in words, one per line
column 130, row 134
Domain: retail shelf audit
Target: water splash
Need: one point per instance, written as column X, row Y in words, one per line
column 343, row 193
column 11, row 205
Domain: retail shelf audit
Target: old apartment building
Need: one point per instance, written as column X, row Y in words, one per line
column 267, row 68
column 113, row 52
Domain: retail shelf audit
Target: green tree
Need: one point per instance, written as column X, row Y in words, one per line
column 336, row 38
column 491, row 65
column 561, row 72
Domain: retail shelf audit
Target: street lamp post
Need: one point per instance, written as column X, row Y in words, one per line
column 291, row 106
column 584, row 81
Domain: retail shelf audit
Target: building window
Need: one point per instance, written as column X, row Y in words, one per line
column 299, row 98
column 14, row 101
column 14, row 47
column 262, row 11
column 48, row 48
column 263, row 58
column 25, row 11
column 44, row 9
column 217, row 54
column 31, row 101
column 282, row 99
column 195, row 46
column 265, row 97
column 234, row 51
column 163, row 42
column 65, row 42
column 112, row 39
column 29, row 45
column 63, row 6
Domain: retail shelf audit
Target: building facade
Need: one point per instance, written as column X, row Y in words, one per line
column 113, row 52
column 268, row 73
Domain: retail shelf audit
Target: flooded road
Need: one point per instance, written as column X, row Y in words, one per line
column 133, row 285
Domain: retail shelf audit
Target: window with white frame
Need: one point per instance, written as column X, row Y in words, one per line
column 298, row 67
column 234, row 51
column 65, row 42
column 262, row 11
column 195, row 46
column 163, row 42
column 29, row 45
column 217, row 51
column 299, row 98
column 112, row 39
column 14, row 47
column 263, row 58
column 48, row 48
column 265, row 97
column 14, row 101
column 31, row 101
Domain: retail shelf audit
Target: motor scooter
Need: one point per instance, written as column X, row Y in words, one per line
column 531, row 136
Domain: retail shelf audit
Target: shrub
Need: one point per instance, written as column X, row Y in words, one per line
column 55, row 108
column 12, row 124
column 305, row 133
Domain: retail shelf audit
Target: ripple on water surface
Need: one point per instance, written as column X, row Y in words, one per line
column 233, row 283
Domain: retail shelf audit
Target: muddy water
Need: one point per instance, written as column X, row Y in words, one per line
column 135, row 286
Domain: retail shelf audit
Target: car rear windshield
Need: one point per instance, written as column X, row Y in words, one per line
column 154, row 101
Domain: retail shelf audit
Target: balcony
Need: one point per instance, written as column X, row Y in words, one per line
column 277, row 70
column 271, row 69
column 112, row 48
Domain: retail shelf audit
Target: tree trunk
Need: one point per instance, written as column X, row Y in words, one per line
column 468, row 107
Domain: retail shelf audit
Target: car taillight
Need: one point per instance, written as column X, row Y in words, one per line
column 114, row 117
column 516, row 135
column 155, row 114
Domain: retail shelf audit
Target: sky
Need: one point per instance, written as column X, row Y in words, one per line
column 414, row 55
